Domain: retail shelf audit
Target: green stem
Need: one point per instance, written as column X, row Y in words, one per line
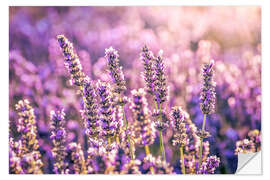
column 201, row 143
column 126, row 126
column 162, row 151
column 182, row 160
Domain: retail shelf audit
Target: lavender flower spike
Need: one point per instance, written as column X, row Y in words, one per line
column 108, row 123
column 208, row 94
column 210, row 165
column 58, row 137
column 90, row 113
column 115, row 69
column 72, row 61
column 147, row 57
column 160, row 80
column 144, row 127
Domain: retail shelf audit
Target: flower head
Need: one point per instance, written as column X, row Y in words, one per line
column 75, row 154
column 115, row 69
column 72, row 61
column 147, row 57
column 160, row 79
column 208, row 94
column 210, row 165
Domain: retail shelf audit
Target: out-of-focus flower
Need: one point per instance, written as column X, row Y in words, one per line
column 210, row 165
column 208, row 94
column 162, row 123
column 27, row 126
column 143, row 127
column 132, row 167
column 159, row 166
column 115, row 69
column 249, row 145
column 58, row 137
column 76, row 156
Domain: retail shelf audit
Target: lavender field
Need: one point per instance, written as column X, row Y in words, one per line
column 133, row 90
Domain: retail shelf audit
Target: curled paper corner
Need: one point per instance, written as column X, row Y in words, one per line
column 249, row 163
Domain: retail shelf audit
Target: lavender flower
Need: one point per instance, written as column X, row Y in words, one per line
column 148, row 57
column 14, row 158
column 178, row 124
column 75, row 154
column 115, row 69
column 72, row 61
column 210, row 165
column 160, row 79
column 90, row 113
column 208, row 94
column 143, row 127
column 108, row 124
column 159, row 166
column 58, row 137
column 31, row 163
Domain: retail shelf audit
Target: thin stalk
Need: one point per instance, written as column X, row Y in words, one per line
column 201, row 143
column 162, row 151
column 109, row 141
column 182, row 160
column 117, row 140
column 126, row 126
column 147, row 152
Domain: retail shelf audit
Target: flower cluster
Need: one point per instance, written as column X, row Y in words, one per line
column 76, row 155
column 210, row 165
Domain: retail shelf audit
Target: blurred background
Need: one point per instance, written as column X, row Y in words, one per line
column 189, row 37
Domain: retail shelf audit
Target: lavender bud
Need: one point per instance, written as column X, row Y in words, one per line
column 72, row 61
column 115, row 70
column 160, row 79
column 58, row 137
column 147, row 57
column 208, row 94
column 144, row 127
column 210, row 165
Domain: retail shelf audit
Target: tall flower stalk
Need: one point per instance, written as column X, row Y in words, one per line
column 208, row 98
column 119, row 82
column 160, row 92
column 144, row 128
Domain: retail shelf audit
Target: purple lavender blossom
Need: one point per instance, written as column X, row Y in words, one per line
column 160, row 79
column 58, row 137
column 162, row 123
column 132, row 167
column 143, row 127
column 159, row 166
column 250, row 144
column 31, row 163
column 115, row 70
column 108, row 124
column 72, row 61
column 90, row 111
column 147, row 57
column 208, row 94
column 210, row 165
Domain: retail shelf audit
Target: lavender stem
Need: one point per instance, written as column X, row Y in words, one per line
column 182, row 160
column 201, row 143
